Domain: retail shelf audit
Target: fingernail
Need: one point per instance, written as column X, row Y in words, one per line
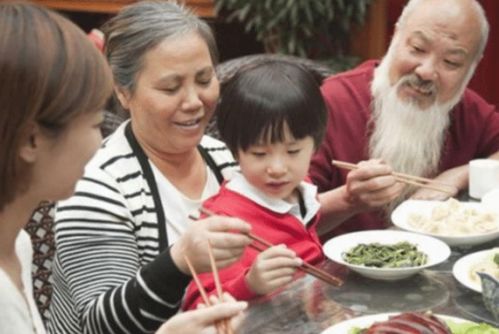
column 242, row 304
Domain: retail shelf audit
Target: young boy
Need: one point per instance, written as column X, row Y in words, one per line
column 272, row 117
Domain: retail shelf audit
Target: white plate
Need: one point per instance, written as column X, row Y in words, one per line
column 491, row 199
column 365, row 321
column 401, row 214
column 436, row 250
column 462, row 268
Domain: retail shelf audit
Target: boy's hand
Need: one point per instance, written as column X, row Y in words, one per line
column 272, row 269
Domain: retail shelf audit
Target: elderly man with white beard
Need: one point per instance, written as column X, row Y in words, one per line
column 409, row 113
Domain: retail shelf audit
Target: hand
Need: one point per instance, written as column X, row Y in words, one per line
column 204, row 318
column 372, row 185
column 227, row 246
column 272, row 269
column 455, row 177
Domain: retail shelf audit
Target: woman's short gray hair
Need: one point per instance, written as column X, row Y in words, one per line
column 138, row 28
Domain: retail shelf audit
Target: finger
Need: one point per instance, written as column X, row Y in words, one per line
column 225, row 263
column 278, row 250
column 227, row 254
column 372, row 184
column 278, row 273
column 265, row 265
column 370, row 171
column 209, row 315
column 228, row 297
column 228, row 240
column 214, row 299
column 383, row 196
column 279, row 282
column 279, row 262
column 222, row 223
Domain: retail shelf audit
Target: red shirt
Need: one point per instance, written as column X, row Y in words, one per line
column 273, row 227
column 473, row 133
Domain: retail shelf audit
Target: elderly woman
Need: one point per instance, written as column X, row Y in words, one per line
column 121, row 238
column 49, row 132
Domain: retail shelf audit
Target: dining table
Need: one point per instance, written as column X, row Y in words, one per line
column 309, row 305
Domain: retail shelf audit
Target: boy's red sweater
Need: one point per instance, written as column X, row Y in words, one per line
column 274, row 227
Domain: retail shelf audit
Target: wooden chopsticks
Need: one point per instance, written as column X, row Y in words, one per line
column 406, row 178
column 223, row 327
column 306, row 267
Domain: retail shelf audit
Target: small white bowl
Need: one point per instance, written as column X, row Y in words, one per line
column 463, row 267
column 436, row 250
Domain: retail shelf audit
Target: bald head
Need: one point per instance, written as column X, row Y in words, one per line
column 458, row 18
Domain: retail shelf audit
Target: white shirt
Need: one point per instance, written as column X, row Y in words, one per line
column 15, row 315
column 240, row 185
column 177, row 207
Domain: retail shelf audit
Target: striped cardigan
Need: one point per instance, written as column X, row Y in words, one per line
column 113, row 272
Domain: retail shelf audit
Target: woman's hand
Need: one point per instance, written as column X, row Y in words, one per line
column 226, row 235
column 204, row 318
column 272, row 269
column 372, row 185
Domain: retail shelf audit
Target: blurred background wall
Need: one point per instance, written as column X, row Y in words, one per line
column 365, row 40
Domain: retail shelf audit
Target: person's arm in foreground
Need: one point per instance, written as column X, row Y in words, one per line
column 252, row 275
column 367, row 188
column 99, row 256
column 202, row 320
column 458, row 177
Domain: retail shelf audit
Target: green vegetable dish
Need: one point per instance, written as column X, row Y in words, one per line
column 399, row 255
column 456, row 328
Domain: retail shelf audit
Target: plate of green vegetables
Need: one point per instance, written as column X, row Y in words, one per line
column 386, row 254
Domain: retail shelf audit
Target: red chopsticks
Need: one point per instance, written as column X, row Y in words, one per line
column 223, row 327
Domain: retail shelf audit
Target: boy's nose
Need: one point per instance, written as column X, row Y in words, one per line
column 277, row 168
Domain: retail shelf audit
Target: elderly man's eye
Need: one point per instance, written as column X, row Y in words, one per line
column 452, row 64
column 417, row 49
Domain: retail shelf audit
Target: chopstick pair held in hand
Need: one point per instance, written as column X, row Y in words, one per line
column 223, row 327
column 260, row 244
column 407, row 179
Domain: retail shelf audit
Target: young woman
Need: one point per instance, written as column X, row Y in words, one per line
column 272, row 118
column 54, row 85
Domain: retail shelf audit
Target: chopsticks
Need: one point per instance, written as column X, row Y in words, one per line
column 306, row 267
column 223, row 327
column 406, row 178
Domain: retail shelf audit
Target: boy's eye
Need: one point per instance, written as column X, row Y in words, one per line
column 295, row 151
column 205, row 80
column 258, row 154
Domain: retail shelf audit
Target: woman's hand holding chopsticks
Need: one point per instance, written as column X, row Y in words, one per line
column 203, row 319
column 273, row 268
column 227, row 246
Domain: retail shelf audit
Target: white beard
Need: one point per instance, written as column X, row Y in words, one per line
column 404, row 136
